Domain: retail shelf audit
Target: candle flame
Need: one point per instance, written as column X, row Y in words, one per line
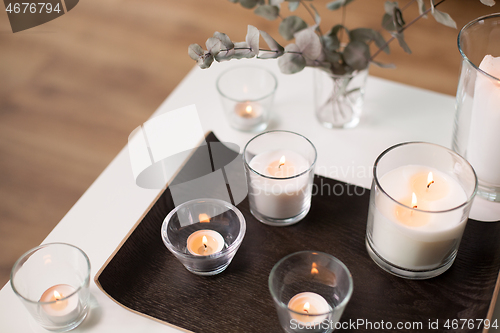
column 314, row 269
column 282, row 161
column 306, row 307
column 413, row 200
column 204, row 218
column 248, row 109
column 57, row 296
column 204, row 240
column 430, row 179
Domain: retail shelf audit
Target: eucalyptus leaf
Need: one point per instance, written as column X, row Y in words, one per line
column 225, row 40
column 308, row 43
column 382, row 65
column 357, row 55
column 234, row 1
column 213, row 45
column 388, row 23
column 206, row 60
column 317, row 18
column 380, row 41
column 389, row 7
column 195, row 51
column 444, row 19
column 402, row 42
column 290, row 25
column 336, row 28
column 273, row 45
column 267, row 12
column 364, row 35
column 421, row 7
column 249, row 4
column 293, row 5
column 242, row 50
column 225, row 55
column 488, row 2
column 276, row 2
column 292, row 61
column 331, row 43
column 252, row 39
column 334, row 5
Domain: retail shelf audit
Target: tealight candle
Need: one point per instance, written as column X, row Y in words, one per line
column 61, row 309
column 248, row 115
column 205, row 242
column 311, row 305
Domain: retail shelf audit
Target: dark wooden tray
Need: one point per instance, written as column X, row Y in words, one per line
column 143, row 276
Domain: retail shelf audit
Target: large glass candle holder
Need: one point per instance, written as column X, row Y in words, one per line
column 310, row 291
column 419, row 205
column 52, row 281
column 279, row 167
column 247, row 95
column 477, row 122
column 204, row 234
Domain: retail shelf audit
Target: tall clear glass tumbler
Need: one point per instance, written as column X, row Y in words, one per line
column 420, row 201
column 279, row 166
column 310, row 291
column 476, row 133
column 52, row 281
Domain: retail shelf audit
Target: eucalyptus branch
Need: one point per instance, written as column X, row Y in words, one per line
column 404, row 28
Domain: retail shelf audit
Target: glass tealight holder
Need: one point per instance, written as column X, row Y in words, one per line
column 52, row 281
column 476, row 134
column 420, row 201
column 247, row 95
column 279, row 166
column 310, row 291
column 204, row 234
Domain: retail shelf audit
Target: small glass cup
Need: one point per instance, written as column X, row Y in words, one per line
column 280, row 170
column 52, row 281
column 420, row 201
column 476, row 133
column 204, row 234
column 247, row 95
column 316, row 278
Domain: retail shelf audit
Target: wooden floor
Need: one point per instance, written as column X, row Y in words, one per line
column 73, row 89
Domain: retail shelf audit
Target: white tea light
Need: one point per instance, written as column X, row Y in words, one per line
column 311, row 305
column 61, row 309
column 205, row 242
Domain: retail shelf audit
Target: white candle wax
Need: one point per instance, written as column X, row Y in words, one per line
column 247, row 115
column 310, row 304
column 61, row 310
column 483, row 150
column 414, row 239
column 280, row 197
column 205, row 242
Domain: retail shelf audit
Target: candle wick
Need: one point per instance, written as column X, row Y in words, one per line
column 414, row 207
column 306, row 311
column 205, row 245
column 279, row 166
column 428, row 185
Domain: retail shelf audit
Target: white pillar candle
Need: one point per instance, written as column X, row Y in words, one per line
column 415, row 239
column 310, row 304
column 61, row 310
column 483, row 150
column 205, row 242
column 277, row 195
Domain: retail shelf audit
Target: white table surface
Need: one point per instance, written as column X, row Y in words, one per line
column 102, row 217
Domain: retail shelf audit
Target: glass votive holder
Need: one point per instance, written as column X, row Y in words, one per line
column 247, row 95
column 204, row 234
column 476, row 135
column 52, row 281
column 279, row 166
column 310, row 291
column 420, row 201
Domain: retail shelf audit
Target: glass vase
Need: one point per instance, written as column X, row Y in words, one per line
column 339, row 99
column 476, row 133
